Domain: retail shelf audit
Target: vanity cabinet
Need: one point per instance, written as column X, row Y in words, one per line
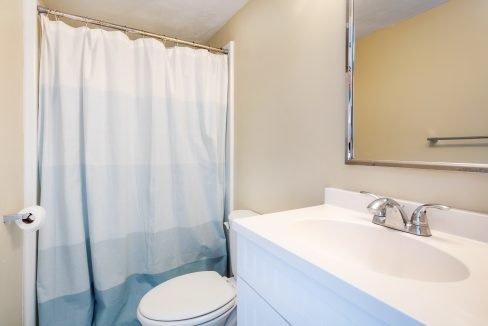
column 271, row 290
column 253, row 310
column 330, row 265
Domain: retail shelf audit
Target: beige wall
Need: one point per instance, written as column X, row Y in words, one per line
column 424, row 77
column 290, row 114
column 11, row 161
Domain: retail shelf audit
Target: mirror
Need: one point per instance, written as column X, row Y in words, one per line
column 417, row 75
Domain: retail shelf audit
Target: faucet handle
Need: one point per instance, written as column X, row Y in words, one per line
column 377, row 206
column 419, row 216
column 370, row 194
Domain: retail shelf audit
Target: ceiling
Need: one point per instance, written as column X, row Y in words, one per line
column 192, row 20
column 372, row 15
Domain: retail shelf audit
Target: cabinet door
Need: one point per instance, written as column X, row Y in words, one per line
column 302, row 300
column 252, row 310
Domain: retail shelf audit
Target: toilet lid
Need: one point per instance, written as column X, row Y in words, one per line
column 186, row 297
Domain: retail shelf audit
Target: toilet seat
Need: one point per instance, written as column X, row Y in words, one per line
column 191, row 299
column 202, row 320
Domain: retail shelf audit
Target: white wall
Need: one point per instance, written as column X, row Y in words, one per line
column 290, row 114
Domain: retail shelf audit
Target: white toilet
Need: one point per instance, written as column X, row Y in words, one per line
column 201, row 298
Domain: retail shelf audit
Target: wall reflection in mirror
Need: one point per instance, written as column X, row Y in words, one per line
column 420, row 72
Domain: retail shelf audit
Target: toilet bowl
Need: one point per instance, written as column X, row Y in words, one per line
column 200, row 298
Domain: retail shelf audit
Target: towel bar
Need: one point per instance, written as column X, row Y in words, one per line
column 434, row 140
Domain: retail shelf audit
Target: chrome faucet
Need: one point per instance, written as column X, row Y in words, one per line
column 417, row 224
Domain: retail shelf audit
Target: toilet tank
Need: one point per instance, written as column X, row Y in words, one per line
column 234, row 215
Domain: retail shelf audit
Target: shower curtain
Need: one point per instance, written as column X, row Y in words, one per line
column 132, row 170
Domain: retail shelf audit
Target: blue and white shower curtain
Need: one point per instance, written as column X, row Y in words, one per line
column 132, row 170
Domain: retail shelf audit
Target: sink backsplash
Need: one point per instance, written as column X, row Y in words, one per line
column 454, row 221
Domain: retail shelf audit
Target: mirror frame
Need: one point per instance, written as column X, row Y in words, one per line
column 350, row 158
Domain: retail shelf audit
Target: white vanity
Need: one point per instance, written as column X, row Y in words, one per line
column 330, row 265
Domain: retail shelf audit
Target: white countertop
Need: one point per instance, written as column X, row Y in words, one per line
column 463, row 302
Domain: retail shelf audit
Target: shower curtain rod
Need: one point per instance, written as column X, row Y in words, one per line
column 44, row 10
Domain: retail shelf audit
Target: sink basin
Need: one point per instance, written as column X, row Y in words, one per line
column 378, row 249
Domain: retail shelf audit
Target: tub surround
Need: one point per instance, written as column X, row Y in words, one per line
column 281, row 258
